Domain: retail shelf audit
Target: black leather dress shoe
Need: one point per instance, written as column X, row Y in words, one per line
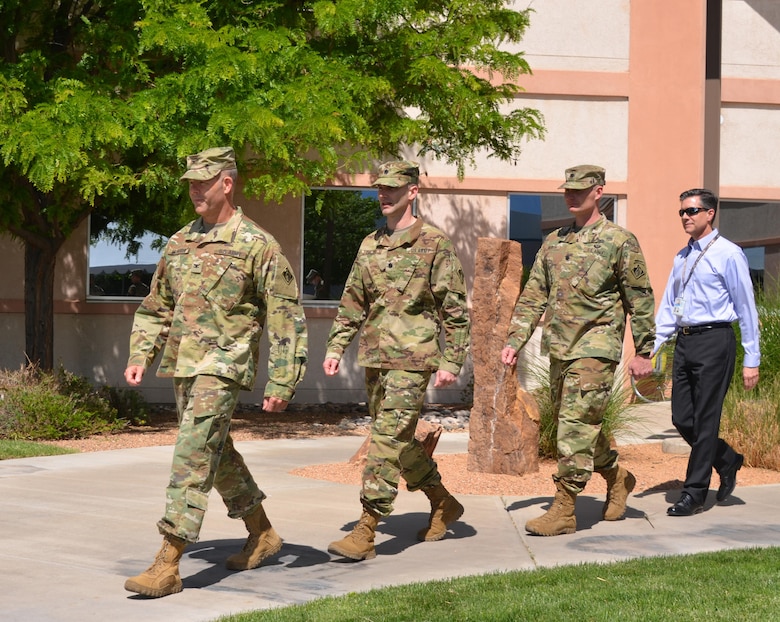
column 728, row 479
column 686, row 506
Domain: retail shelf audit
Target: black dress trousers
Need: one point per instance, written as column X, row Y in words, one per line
column 701, row 374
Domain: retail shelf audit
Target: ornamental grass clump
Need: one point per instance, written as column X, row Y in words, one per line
column 751, row 419
column 619, row 415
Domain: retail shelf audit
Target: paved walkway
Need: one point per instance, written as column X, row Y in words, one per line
column 74, row 527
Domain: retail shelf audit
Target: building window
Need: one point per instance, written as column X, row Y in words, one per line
column 755, row 257
column 335, row 221
column 533, row 216
column 756, row 228
column 118, row 268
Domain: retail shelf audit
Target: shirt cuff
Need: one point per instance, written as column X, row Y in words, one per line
column 279, row 391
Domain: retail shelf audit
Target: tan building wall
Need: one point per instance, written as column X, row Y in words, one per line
column 624, row 88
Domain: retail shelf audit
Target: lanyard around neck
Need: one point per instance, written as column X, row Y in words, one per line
column 695, row 263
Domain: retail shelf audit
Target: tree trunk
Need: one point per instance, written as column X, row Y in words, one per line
column 39, row 264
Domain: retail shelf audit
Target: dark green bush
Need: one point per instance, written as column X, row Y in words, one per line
column 36, row 405
column 130, row 405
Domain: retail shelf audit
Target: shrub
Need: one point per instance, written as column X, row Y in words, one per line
column 36, row 405
column 751, row 419
column 130, row 405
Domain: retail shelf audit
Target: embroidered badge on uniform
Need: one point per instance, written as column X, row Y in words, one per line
column 638, row 271
column 287, row 275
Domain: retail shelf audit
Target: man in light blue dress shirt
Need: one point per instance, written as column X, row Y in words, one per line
column 708, row 290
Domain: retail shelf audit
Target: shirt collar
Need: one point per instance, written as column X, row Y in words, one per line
column 409, row 236
column 702, row 242
column 225, row 233
column 586, row 233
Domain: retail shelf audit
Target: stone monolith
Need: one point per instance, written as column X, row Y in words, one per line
column 504, row 421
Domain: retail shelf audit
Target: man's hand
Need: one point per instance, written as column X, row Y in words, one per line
column 274, row 404
column 749, row 377
column 640, row 367
column 444, row 379
column 509, row 356
column 331, row 367
column 134, row 374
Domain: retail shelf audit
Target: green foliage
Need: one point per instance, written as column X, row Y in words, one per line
column 768, row 307
column 618, row 415
column 101, row 101
column 39, row 405
column 725, row 586
column 769, row 320
column 100, row 106
column 751, row 419
column 130, row 406
column 312, row 87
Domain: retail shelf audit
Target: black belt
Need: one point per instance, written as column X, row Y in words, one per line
column 697, row 330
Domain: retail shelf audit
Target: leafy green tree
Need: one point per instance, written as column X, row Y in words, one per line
column 101, row 100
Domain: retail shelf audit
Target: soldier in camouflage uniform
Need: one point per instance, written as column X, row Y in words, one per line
column 405, row 287
column 587, row 277
column 220, row 280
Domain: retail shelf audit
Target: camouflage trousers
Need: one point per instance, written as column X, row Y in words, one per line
column 204, row 457
column 580, row 392
column 395, row 398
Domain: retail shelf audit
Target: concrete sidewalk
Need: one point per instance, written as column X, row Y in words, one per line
column 75, row 527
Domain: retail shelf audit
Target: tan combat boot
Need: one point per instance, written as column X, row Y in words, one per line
column 560, row 518
column 162, row 577
column 620, row 483
column 262, row 542
column 359, row 544
column 445, row 509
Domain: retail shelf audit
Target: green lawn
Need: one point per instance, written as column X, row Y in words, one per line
column 29, row 449
column 724, row 586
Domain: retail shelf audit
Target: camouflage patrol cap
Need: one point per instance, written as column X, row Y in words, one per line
column 584, row 176
column 209, row 163
column 397, row 174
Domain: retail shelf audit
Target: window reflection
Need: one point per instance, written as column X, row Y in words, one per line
column 118, row 268
column 755, row 226
column 335, row 221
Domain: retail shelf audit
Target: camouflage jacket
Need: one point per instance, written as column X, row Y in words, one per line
column 587, row 281
column 211, row 296
column 403, row 292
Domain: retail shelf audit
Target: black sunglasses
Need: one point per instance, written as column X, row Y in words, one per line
column 692, row 211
